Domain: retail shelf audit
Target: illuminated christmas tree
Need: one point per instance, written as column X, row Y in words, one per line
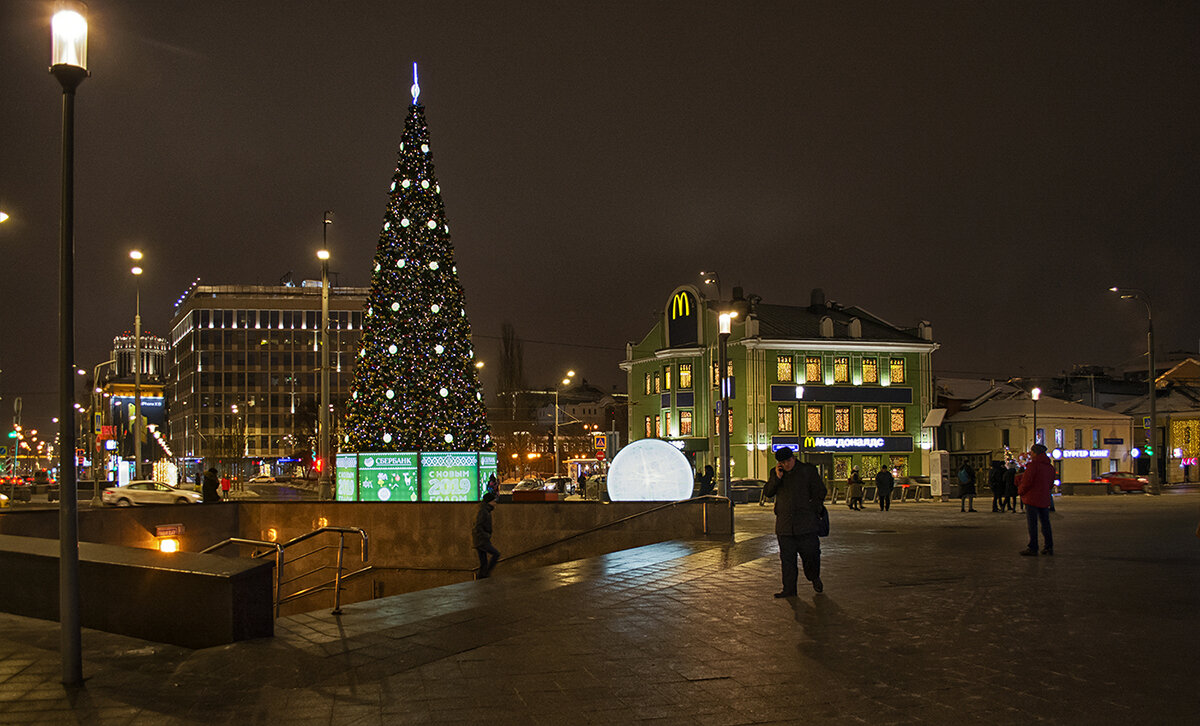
column 416, row 387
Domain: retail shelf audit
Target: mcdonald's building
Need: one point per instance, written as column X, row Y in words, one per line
column 835, row 383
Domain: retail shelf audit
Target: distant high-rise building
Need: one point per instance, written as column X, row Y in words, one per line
column 243, row 377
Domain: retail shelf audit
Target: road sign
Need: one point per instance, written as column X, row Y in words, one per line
column 1146, row 422
column 600, row 442
column 3, row 451
column 599, row 456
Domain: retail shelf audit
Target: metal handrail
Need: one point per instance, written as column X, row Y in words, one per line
column 325, row 585
column 259, row 543
column 636, row 515
column 279, row 562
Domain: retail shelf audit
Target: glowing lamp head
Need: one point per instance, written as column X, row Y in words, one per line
column 725, row 321
column 136, row 270
column 1036, row 393
column 68, row 35
column 322, row 254
column 168, row 544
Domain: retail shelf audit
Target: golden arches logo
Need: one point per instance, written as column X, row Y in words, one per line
column 810, row 442
column 681, row 306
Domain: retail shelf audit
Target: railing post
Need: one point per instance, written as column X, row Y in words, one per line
column 278, row 577
column 337, row 578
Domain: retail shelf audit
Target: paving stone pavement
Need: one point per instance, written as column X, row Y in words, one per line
column 928, row 616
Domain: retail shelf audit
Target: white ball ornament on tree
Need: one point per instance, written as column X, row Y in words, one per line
column 439, row 349
column 392, row 349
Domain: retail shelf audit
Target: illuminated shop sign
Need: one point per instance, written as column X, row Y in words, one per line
column 683, row 319
column 851, row 444
column 1079, row 453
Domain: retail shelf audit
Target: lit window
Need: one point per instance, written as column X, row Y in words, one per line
column 814, row 420
column 812, row 369
column 870, row 370
column 897, row 369
column 685, row 423
column 685, row 375
column 897, row 419
column 870, row 419
column 666, row 423
column 657, row 382
column 786, row 418
column 841, row 370
column 841, row 419
column 900, row 465
column 783, row 369
column 649, row 431
column 667, row 378
column 649, row 387
column 657, row 425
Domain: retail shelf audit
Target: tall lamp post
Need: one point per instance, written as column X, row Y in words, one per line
column 1129, row 293
column 68, row 64
column 565, row 382
column 95, row 453
column 725, row 327
column 1035, row 394
column 136, row 256
column 324, row 484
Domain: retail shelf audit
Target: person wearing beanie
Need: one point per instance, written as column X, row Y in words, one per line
column 799, row 493
column 481, row 535
column 1035, row 486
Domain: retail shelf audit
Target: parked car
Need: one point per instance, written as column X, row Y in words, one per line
column 526, row 485
column 4, row 502
column 746, row 491
column 17, row 489
column 564, row 484
column 1123, row 481
column 148, row 492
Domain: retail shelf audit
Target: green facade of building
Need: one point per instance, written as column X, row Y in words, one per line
column 842, row 387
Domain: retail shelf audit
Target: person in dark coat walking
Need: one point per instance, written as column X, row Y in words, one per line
column 706, row 481
column 799, row 493
column 884, row 482
column 481, row 535
column 208, row 488
column 996, row 482
column 966, row 487
column 1010, row 487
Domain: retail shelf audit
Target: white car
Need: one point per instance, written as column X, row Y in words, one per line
column 148, row 492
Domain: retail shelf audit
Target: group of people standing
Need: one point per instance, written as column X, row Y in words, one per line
column 885, row 481
column 1031, row 487
column 1001, row 479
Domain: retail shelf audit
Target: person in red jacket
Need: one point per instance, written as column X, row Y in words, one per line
column 1034, row 486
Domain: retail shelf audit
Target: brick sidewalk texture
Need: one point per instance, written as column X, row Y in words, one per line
column 928, row 616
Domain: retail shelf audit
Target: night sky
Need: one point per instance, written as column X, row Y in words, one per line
column 991, row 167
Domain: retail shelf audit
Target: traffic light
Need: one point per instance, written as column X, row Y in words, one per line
column 12, row 434
column 1148, row 450
column 319, row 465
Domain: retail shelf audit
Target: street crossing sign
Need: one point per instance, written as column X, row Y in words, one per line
column 600, row 442
column 3, row 451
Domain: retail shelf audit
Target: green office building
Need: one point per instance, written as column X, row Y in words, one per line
column 837, row 384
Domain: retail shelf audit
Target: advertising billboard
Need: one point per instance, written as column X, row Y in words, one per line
column 449, row 477
column 390, row 477
column 487, row 467
column 347, row 478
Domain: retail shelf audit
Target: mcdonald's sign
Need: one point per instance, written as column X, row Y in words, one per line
column 683, row 319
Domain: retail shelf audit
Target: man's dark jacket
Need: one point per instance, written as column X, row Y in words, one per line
column 884, row 481
column 481, row 535
column 799, row 496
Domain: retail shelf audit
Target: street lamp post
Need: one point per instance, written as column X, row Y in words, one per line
column 565, row 382
column 92, row 427
column 68, row 64
column 1035, row 394
column 725, row 321
column 324, row 485
column 1128, row 293
column 136, row 256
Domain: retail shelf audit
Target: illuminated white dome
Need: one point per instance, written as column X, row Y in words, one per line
column 649, row 470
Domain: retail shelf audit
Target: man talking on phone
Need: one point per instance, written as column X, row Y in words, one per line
column 799, row 495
